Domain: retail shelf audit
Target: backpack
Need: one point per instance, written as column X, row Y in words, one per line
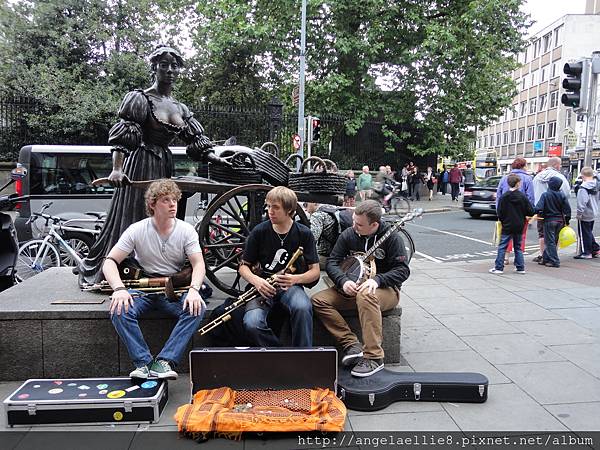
column 342, row 216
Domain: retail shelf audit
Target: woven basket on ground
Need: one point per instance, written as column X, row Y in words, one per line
column 322, row 180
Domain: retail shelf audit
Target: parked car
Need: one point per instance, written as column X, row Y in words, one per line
column 481, row 198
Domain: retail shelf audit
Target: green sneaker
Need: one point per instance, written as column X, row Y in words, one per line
column 162, row 369
column 140, row 372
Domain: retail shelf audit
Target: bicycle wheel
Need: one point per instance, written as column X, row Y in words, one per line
column 80, row 242
column 400, row 205
column 409, row 244
column 28, row 263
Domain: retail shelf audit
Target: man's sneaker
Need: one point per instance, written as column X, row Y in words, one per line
column 549, row 264
column 582, row 256
column 162, row 369
column 351, row 354
column 496, row 271
column 538, row 259
column 140, row 372
column 367, row 367
column 521, row 272
column 596, row 254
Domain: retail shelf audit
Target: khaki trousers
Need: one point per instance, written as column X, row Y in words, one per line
column 329, row 302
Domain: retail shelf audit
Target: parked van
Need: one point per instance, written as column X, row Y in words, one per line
column 63, row 175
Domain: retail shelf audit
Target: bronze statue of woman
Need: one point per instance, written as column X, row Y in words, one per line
column 150, row 120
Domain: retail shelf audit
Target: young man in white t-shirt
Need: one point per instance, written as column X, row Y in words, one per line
column 161, row 243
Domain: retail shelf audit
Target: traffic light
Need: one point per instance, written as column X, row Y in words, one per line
column 577, row 82
column 316, row 129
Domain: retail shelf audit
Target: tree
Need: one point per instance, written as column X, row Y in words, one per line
column 431, row 70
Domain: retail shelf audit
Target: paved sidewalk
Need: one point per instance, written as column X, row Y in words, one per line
column 535, row 336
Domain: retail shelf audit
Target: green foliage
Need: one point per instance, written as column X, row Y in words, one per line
column 431, row 71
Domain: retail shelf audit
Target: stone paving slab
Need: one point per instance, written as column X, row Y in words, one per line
column 489, row 295
column 448, row 304
column 507, row 408
column 521, row 312
column 556, row 332
column 577, row 416
column 585, row 356
column 476, row 324
column 554, row 298
column 414, row 421
column 511, row 349
column 586, row 317
column 419, row 318
column 583, row 292
column 418, row 340
column 455, row 361
column 554, row 382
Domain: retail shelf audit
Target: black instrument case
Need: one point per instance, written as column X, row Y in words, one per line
column 386, row 387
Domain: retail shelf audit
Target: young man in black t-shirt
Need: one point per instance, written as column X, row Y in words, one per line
column 270, row 245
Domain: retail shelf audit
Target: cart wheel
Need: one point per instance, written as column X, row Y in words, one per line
column 224, row 229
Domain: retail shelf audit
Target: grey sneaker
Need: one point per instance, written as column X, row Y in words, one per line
column 140, row 372
column 162, row 369
column 367, row 367
column 496, row 271
column 520, row 272
column 351, row 354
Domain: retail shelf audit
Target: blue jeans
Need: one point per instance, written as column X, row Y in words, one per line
column 298, row 305
column 504, row 240
column 551, row 229
column 128, row 328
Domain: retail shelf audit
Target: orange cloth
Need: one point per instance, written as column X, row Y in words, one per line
column 229, row 411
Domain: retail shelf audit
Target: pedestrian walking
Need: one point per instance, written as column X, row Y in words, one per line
column 455, row 177
column 443, row 178
column 430, row 181
column 587, row 210
column 469, row 177
column 416, row 180
column 364, row 184
column 554, row 208
column 513, row 210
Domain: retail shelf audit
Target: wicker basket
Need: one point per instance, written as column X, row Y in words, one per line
column 243, row 170
column 323, row 179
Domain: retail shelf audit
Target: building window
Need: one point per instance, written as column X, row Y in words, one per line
column 532, row 105
column 506, row 114
column 534, row 77
column 568, row 117
column 523, row 110
column 491, row 140
column 525, row 52
column 543, row 74
column 547, row 42
column 485, row 141
column 553, row 99
column 558, row 36
column 541, row 128
column 530, row 132
column 536, row 48
column 551, row 129
column 513, row 136
column 505, row 138
column 524, row 83
column 522, row 134
column 498, row 143
column 542, row 102
column 553, row 72
column 514, row 112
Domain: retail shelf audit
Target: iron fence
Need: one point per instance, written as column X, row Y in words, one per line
column 251, row 126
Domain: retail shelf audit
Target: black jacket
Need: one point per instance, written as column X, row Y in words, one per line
column 513, row 207
column 553, row 204
column 392, row 269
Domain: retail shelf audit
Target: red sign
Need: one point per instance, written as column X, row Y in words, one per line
column 296, row 141
column 555, row 149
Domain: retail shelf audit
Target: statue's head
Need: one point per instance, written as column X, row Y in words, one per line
column 160, row 52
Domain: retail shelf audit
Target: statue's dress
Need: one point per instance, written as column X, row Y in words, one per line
column 144, row 139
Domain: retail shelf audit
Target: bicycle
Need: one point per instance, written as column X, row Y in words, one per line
column 63, row 244
column 398, row 204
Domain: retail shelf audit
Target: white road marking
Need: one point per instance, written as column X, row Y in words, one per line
column 451, row 234
column 430, row 258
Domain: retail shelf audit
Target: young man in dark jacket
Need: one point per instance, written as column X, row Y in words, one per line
column 380, row 293
column 554, row 208
column 513, row 209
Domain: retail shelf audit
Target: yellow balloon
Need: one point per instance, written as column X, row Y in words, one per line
column 566, row 237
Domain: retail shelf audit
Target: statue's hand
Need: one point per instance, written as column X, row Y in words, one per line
column 116, row 178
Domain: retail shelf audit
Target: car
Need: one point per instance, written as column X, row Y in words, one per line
column 481, row 198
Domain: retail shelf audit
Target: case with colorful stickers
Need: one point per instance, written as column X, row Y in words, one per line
column 86, row 400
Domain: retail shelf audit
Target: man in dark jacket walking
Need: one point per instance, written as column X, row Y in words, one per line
column 554, row 208
column 513, row 209
column 455, row 178
column 380, row 293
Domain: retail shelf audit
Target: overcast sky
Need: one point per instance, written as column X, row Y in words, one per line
column 544, row 12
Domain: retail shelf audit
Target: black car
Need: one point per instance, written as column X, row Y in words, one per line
column 481, row 198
